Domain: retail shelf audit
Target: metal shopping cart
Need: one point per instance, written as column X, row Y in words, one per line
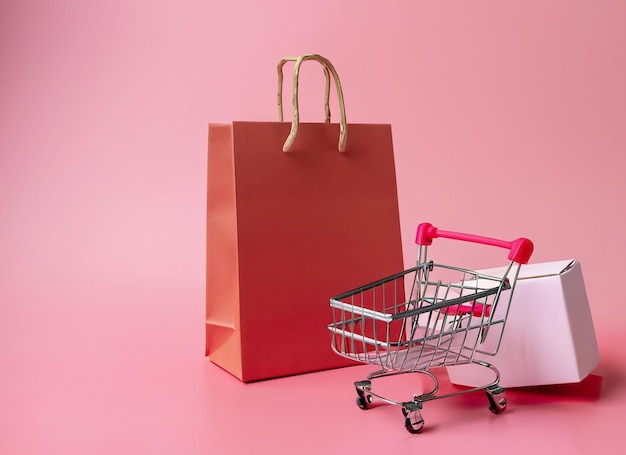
column 429, row 316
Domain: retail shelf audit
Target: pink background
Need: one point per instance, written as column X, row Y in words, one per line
column 509, row 119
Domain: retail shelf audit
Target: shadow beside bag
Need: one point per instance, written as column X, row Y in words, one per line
column 296, row 213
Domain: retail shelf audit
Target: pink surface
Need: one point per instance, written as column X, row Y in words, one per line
column 508, row 121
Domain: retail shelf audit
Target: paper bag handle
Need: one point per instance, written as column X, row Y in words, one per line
column 328, row 70
column 520, row 249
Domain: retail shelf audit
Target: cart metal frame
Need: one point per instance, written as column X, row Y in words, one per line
column 427, row 317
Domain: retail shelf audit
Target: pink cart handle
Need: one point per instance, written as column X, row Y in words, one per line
column 520, row 249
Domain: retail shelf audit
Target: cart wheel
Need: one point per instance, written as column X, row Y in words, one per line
column 363, row 400
column 497, row 400
column 413, row 421
column 363, row 403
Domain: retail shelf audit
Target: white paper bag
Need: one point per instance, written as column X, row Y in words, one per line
column 549, row 337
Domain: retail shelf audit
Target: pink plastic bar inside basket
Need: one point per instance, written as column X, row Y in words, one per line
column 520, row 249
column 477, row 309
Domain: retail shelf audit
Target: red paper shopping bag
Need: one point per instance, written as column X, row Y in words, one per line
column 288, row 230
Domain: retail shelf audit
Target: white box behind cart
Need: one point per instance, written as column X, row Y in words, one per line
column 549, row 336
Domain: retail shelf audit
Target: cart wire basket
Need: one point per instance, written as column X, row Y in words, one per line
column 427, row 317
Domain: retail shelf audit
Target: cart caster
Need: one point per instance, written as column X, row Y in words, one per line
column 497, row 400
column 364, row 403
column 364, row 399
column 413, row 421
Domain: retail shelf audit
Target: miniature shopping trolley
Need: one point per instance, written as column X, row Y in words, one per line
column 429, row 316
